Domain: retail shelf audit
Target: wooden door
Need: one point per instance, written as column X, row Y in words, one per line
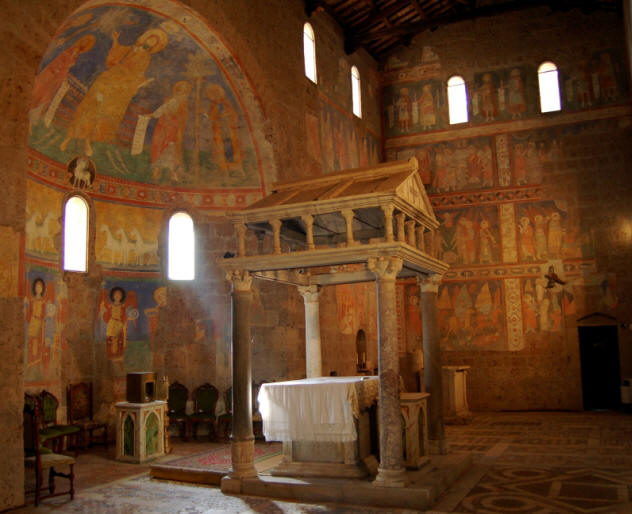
column 599, row 354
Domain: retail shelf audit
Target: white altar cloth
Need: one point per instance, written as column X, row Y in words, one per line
column 315, row 409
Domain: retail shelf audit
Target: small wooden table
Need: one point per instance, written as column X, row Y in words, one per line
column 140, row 430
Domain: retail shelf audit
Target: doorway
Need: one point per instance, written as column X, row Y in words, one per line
column 599, row 355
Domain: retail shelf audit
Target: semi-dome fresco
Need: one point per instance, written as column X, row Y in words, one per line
column 151, row 105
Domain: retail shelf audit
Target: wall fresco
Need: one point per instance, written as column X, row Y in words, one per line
column 43, row 216
column 139, row 95
column 469, row 236
column 10, row 263
column 414, row 107
column 471, row 316
column 127, row 237
column 544, row 304
column 342, row 146
column 507, row 94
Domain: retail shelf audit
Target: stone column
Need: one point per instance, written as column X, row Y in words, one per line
column 242, row 443
column 391, row 471
column 313, row 355
column 429, row 287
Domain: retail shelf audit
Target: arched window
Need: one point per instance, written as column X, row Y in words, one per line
column 181, row 241
column 309, row 51
column 457, row 100
column 355, row 92
column 549, row 83
column 76, row 234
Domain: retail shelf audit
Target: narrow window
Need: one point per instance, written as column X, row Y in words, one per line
column 457, row 100
column 181, row 259
column 76, row 234
column 355, row 92
column 549, row 87
column 309, row 51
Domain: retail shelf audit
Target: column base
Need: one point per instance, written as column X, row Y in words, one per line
column 390, row 478
column 438, row 447
column 243, row 459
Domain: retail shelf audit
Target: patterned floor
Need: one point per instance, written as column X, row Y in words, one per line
column 535, row 463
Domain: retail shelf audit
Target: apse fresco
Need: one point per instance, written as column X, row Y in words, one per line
column 46, row 312
column 126, row 236
column 469, row 236
column 137, row 94
column 43, row 220
column 342, row 147
column 471, row 316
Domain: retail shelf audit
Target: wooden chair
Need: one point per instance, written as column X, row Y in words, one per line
column 204, row 402
column 224, row 421
column 80, row 412
column 41, row 458
column 176, row 407
column 50, row 431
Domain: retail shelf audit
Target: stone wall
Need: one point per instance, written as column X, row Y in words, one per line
column 521, row 194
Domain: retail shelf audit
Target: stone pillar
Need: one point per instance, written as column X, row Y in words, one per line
column 388, row 222
column 433, row 382
column 242, row 443
column 391, row 471
column 313, row 355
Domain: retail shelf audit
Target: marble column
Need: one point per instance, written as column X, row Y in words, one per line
column 391, row 471
column 429, row 287
column 313, row 355
column 242, row 443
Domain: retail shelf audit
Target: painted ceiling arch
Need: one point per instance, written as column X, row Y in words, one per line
column 140, row 100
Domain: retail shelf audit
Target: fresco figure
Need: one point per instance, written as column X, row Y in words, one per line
column 152, row 313
column 101, row 111
column 427, row 113
column 607, row 78
column 166, row 142
column 49, row 81
column 527, row 239
column 540, row 236
column 404, row 110
column 516, row 103
column 225, row 125
column 40, row 315
column 489, row 98
column 555, row 235
column 487, row 242
column 520, row 164
column 116, row 313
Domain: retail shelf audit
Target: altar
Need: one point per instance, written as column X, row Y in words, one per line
column 325, row 424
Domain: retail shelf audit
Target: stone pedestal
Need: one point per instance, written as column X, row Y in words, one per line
column 313, row 354
column 415, row 418
column 391, row 471
column 455, row 407
column 140, row 432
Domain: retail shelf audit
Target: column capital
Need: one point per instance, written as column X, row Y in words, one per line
column 429, row 283
column 309, row 293
column 241, row 279
column 386, row 268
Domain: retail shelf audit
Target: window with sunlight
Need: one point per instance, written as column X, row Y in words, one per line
column 548, row 81
column 355, row 92
column 457, row 100
column 76, row 234
column 181, row 259
column 309, row 51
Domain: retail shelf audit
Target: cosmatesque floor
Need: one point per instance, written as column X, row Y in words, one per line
column 529, row 462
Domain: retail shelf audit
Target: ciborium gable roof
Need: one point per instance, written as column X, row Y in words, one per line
column 394, row 183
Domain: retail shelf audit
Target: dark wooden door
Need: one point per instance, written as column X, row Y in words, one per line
column 599, row 354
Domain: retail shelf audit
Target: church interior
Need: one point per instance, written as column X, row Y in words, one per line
column 424, row 201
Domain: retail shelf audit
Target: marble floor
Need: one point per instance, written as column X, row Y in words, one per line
column 528, row 462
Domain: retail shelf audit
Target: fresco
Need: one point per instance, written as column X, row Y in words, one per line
column 414, row 107
column 43, row 215
column 138, row 94
column 10, row 263
column 469, row 236
column 507, row 94
column 533, row 153
column 544, row 305
column 596, row 79
column 462, row 165
column 546, row 232
column 127, row 237
column 341, row 146
column 45, row 313
column 471, row 316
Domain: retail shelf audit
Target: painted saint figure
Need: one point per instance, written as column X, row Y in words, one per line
column 116, row 313
column 166, row 142
column 516, row 100
column 489, row 98
column 40, row 316
column 101, row 111
column 225, row 125
column 427, row 114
